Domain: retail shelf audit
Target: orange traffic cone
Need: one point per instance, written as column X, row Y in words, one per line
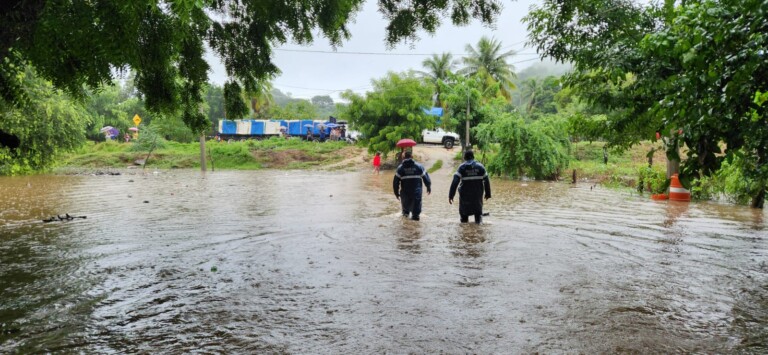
column 676, row 190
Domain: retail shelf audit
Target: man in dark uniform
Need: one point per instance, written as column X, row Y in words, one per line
column 407, row 185
column 471, row 179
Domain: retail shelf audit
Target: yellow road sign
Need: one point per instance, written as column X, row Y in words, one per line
column 136, row 120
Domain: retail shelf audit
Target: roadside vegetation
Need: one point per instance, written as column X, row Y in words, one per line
column 436, row 166
column 275, row 153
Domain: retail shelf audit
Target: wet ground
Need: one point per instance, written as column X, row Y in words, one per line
column 321, row 262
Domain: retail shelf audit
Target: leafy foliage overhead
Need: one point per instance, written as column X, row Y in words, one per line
column 78, row 43
column 697, row 66
column 234, row 106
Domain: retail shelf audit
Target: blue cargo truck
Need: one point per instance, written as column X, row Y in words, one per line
column 258, row 129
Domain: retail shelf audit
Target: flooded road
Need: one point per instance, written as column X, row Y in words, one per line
column 319, row 262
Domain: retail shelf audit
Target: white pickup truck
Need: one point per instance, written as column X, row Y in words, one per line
column 439, row 136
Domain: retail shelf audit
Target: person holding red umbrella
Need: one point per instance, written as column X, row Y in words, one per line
column 402, row 144
column 407, row 185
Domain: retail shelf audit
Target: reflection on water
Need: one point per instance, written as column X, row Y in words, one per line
column 675, row 210
column 409, row 235
column 315, row 262
column 469, row 241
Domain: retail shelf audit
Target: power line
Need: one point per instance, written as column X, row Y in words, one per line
column 330, row 91
column 527, row 60
column 303, row 88
column 375, row 53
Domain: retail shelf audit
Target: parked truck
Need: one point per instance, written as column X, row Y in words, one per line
column 439, row 136
column 257, row 129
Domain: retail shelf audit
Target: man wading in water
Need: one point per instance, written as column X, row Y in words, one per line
column 471, row 179
column 410, row 174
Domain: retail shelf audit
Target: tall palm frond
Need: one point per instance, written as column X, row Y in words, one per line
column 438, row 68
column 261, row 99
column 531, row 89
column 489, row 58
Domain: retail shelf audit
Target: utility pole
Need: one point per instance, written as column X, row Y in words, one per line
column 202, row 144
column 466, row 145
column 202, row 152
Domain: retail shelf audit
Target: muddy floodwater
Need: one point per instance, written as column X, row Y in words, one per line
column 307, row 262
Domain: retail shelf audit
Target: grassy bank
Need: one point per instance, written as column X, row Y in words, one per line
column 621, row 169
column 587, row 158
column 244, row 155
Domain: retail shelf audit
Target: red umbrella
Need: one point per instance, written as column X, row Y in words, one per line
column 405, row 142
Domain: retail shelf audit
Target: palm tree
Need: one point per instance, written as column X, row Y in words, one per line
column 488, row 60
column 261, row 99
column 438, row 68
column 531, row 89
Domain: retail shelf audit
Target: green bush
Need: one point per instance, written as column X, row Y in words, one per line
column 148, row 140
column 652, row 179
column 540, row 149
column 731, row 182
column 705, row 188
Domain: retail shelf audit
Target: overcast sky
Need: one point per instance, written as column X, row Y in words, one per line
column 316, row 69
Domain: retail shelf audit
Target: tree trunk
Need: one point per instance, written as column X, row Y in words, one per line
column 466, row 145
column 672, row 145
column 673, row 167
column 759, row 200
column 202, row 152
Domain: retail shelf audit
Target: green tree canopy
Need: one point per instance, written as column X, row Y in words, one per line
column 539, row 94
column 214, row 99
column 324, row 106
column 392, row 111
column 113, row 105
column 295, row 110
column 50, row 124
column 322, row 101
column 696, row 67
column 234, row 105
column 463, row 96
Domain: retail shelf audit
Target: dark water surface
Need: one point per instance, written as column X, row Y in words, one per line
column 315, row 262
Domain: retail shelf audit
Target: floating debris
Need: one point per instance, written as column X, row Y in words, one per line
column 59, row 218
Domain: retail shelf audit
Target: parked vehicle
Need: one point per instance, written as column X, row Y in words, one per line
column 258, row 129
column 439, row 136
